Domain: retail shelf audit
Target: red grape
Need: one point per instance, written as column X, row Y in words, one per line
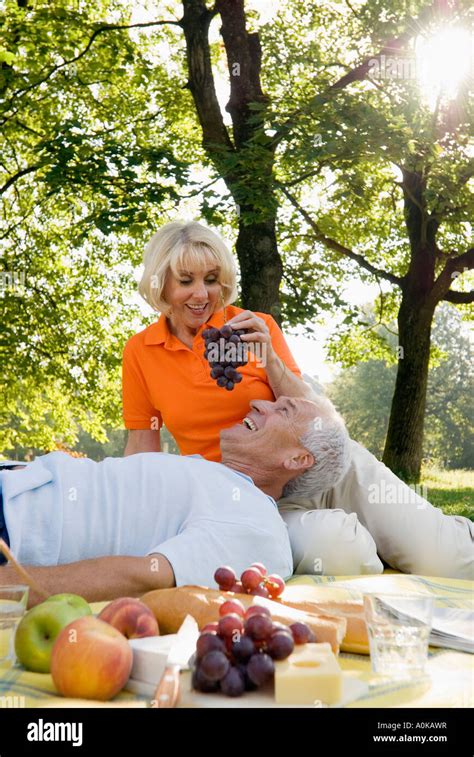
column 277, row 627
column 260, row 591
column 230, row 625
column 209, row 642
column 199, row 683
column 211, row 334
column 258, row 627
column 260, row 668
column 233, row 683
column 224, row 361
column 225, row 578
column 210, row 627
column 302, row 633
column 249, row 684
column 280, row 645
column 275, row 585
column 238, row 588
column 257, row 610
column 214, row 665
column 260, row 566
column 217, row 371
column 243, row 649
column 232, row 606
column 251, row 578
column 226, row 331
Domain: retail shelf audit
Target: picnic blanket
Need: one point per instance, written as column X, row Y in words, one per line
column 449, row 680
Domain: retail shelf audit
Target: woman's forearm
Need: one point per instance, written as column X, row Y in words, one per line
column 284, row 382
column 142, row 441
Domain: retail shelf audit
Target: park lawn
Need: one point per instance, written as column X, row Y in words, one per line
column 451, row 490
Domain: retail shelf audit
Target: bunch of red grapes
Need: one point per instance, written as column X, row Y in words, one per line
column 254, row 580
column 237, row 653
column 223, row 370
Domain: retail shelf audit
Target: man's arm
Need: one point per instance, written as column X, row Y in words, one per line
column 98, row 579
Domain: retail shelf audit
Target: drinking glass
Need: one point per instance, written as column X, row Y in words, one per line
column 13, row 602
column 399, row 627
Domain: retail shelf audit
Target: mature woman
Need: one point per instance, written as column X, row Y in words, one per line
column 189, row 278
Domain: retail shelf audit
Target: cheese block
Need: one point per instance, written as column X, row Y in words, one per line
column 310, row 675
column 170, row 607
column 150, row 655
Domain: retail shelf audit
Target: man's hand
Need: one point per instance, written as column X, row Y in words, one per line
column 98, row 579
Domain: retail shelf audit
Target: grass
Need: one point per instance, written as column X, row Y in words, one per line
column 450, row 490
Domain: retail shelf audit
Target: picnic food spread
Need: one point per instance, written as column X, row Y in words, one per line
column 254, row 632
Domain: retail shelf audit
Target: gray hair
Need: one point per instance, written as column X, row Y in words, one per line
column 329, row 443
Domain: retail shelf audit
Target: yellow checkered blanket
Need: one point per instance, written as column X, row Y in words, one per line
column 450, row 673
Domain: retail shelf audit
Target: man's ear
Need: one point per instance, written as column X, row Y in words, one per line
column 299, row 462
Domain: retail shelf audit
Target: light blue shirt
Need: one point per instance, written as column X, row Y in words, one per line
column 198, row 514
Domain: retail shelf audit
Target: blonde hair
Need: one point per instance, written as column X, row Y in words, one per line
column 181, row 243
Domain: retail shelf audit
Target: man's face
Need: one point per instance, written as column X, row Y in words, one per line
column 270, row 431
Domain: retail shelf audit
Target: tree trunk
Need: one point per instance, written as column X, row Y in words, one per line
column 260, row 266
column 245, row 162
column 404, row 442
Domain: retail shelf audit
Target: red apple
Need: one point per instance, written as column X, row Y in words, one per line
column 131, row 617
column 90, row 660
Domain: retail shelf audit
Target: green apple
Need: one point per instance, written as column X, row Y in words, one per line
column 74, row 600
column 38, row 629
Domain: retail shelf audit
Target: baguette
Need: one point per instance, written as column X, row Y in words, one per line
column 170, row 607
column 303, row 598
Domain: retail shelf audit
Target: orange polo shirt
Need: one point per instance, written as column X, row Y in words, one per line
column 164, row 381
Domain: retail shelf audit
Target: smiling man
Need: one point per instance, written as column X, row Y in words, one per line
column 124, row 526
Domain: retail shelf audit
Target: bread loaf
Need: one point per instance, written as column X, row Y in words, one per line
column 170, row 607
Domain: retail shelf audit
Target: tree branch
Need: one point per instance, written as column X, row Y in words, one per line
column 95, row 34
column 439, row 211
column 453, row 268
column 18, row 175
column 459, row 298
column 359, row 73
column 332, row 244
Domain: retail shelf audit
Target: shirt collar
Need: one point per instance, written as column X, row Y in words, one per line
column 244, row 475
column 159, row 332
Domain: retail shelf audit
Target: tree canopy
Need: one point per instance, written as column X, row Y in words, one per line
column 319, row 170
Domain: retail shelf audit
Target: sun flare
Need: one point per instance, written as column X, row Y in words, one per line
column 443, row 62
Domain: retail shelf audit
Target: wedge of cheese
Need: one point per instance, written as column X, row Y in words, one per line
column 314, row 599
column 150, row 655
column 310, row 675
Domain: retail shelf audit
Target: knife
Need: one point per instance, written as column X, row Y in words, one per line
column 167, row 692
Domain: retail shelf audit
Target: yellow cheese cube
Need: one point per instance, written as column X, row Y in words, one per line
column 310, row 675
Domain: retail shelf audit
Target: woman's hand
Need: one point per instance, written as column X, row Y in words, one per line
column 258, row 331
